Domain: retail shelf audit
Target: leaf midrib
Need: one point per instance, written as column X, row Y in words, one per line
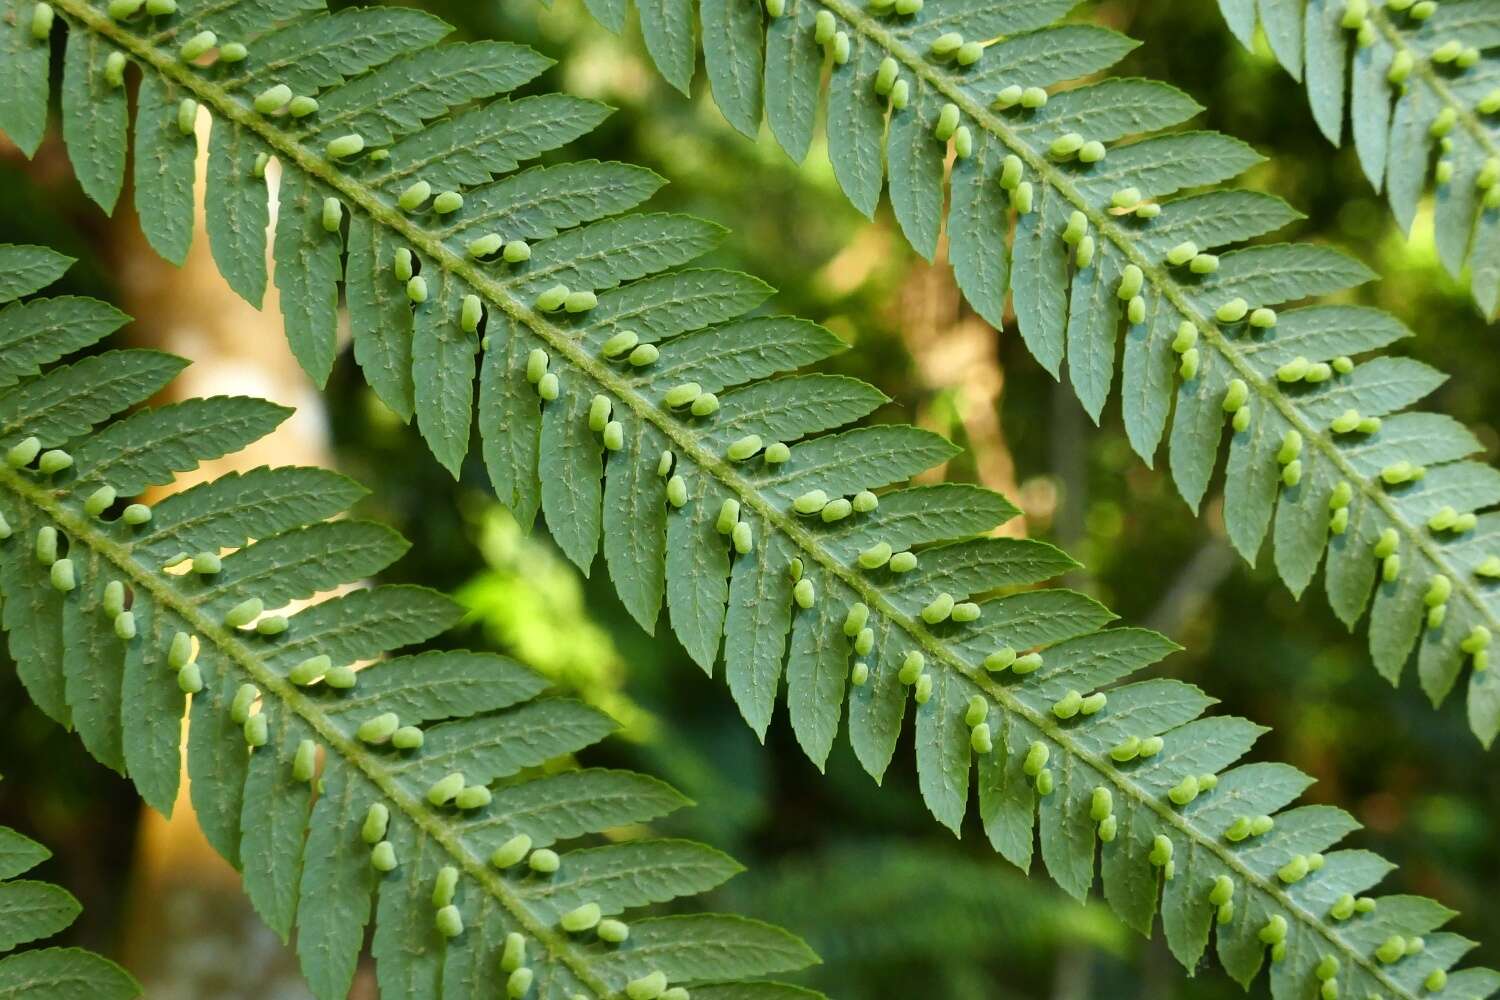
column 1170, row 289
column 367, row 200
column 270, row 682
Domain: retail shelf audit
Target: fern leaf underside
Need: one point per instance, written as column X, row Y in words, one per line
column 1296, row 376
column 1412, row 82
column 1144, row 216
column 762, row 550
column 431, row 813
column 1135, row 777
column 34, row 910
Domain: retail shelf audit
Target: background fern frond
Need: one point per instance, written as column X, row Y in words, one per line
column 958, row 911
column 113, row 615
column 31, row 910
column 1409, row 82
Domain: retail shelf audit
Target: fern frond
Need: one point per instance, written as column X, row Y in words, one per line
column 999, row 680
column 1410, row 81
column 789, row 575
column 430, row 797
column 1348, row 424
column 1108, row 243
column 112, row 617
column 31, row 911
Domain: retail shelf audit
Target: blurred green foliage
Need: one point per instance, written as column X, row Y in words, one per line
column 531, row 603
column 927, row 916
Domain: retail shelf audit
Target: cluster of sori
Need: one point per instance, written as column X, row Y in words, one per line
column 1087, row 233
column 586, row 918
column 1452, row 56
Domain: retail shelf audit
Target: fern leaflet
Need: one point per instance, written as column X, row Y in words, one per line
column 1086, row 238
column 1412, row 77
column 30, row 911
column 430, row 797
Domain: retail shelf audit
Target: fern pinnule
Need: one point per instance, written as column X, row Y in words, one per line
column 430, row 812
column 959, row 908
